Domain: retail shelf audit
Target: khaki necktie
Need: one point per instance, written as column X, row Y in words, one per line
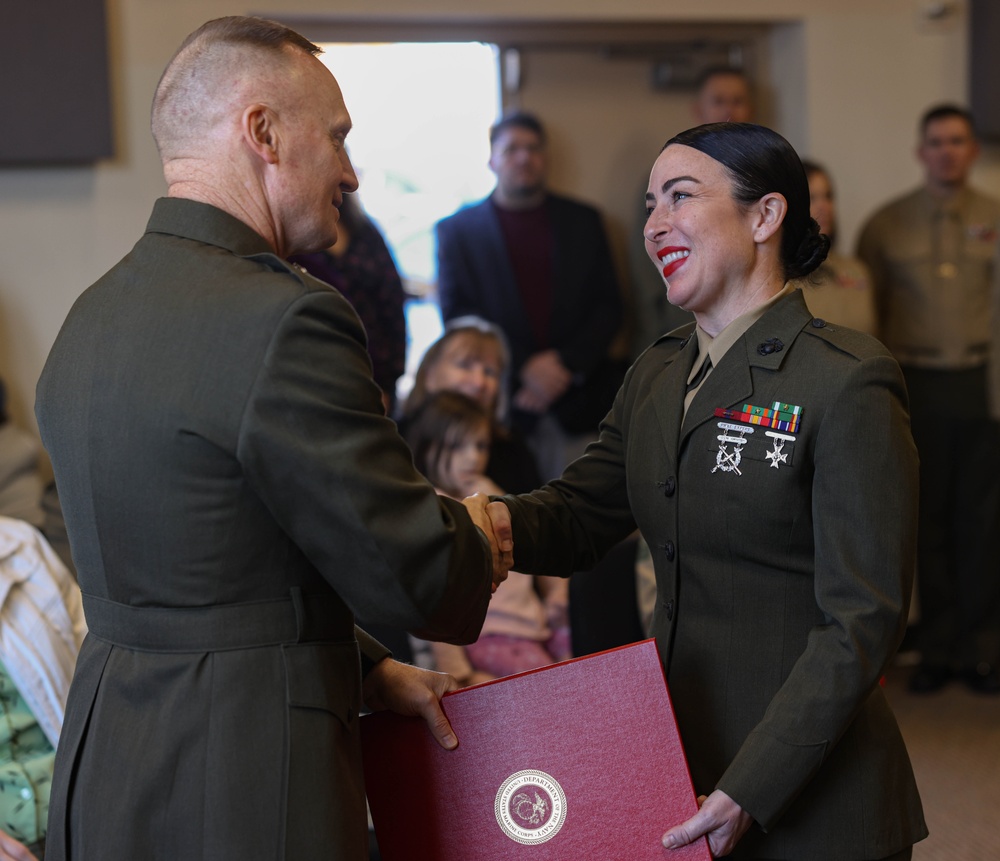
column 694, row 384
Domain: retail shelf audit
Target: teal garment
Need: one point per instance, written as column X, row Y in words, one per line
column 26, row 761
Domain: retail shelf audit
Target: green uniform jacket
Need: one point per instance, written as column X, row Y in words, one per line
column 233, row 493
column 782, row 590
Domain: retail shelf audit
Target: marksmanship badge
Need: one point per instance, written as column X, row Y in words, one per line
column 729, row 461
column 530, row 807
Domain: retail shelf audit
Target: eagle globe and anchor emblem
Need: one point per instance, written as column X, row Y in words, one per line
column 530, row 807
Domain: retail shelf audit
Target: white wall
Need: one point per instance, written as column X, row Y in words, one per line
column 846, row 81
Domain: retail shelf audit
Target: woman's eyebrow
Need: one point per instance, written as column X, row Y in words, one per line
column 670, row 183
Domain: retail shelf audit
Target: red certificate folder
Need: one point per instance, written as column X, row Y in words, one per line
column 579, row 760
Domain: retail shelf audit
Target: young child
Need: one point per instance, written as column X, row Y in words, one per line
column 527, row 624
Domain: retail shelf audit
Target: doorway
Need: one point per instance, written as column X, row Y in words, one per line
column 421, row 112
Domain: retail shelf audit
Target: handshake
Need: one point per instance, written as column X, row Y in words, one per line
column 493, row 518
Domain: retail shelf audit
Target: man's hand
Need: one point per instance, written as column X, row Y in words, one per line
column 494, row 519
column 410, row 691
column 544, row 379
column 719, row 817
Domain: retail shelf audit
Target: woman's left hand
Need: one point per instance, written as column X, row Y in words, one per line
column 719, row 817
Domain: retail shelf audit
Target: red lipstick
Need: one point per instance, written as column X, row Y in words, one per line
column 673, row 257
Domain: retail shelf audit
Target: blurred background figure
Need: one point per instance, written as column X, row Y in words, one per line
column 21, row 484
column 469, row 359
column 539, row 265
column 449, row 436
column 41, row 629
column 360, row 265
column 472, row 358
column 724, row 95
column 931, row 253
column 24, row 495
column 527, row 624
column 840, row 290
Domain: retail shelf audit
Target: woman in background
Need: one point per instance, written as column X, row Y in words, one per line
column 471, row 358
column 360, row 265
column 840, row 290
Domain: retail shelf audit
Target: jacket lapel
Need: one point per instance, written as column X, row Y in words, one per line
column 729, row 382
column 667, row 392
column 489, row 243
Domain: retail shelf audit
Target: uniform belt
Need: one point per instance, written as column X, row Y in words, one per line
column 299, row 618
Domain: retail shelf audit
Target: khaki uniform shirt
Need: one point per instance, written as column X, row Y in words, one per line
column 932, row 265
column 840, row 292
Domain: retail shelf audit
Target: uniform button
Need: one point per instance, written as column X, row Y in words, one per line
column 26, row 793
column 669, row 607
column 669, row 486
column 669, row 549
column 819, row 323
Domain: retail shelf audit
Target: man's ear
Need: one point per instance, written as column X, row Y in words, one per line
column 769, row 213
column 260, row 132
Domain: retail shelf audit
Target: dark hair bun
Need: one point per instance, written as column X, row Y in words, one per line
column 811, row 252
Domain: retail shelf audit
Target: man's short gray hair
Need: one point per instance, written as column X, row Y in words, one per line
column 199, row 58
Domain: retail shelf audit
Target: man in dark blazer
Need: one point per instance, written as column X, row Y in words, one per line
column 234, row 493
column 538, row 265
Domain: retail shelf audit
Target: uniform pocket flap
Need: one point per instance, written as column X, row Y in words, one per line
column 325, row 676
